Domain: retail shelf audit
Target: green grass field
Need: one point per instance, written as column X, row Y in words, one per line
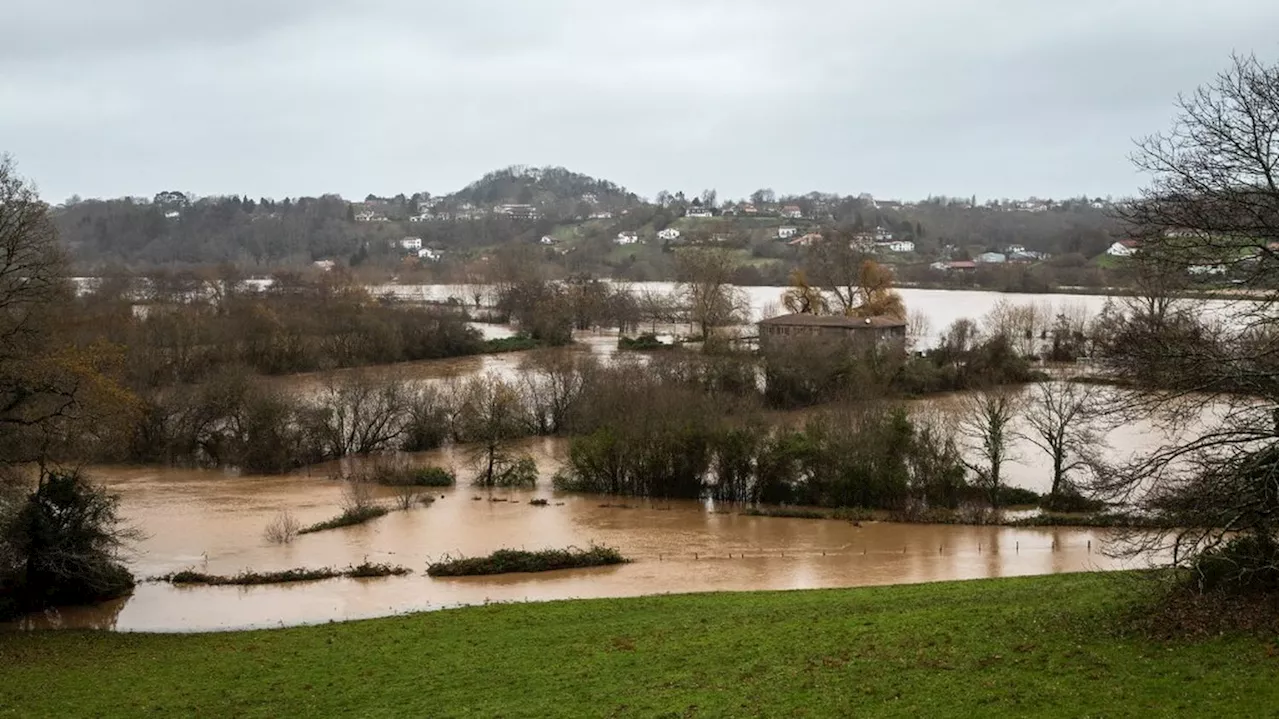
column 1043, row 646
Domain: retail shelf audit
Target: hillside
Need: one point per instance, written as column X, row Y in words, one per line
column 581, row 217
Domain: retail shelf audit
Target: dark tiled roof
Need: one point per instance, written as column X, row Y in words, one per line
column 809, row 320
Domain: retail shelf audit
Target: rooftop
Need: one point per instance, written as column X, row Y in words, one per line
column 809, row 320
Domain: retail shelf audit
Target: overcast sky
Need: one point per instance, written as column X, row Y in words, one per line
column 899, row 98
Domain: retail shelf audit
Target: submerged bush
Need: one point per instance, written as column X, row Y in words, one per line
column 430, row 476
column 283, row 529
column 249, row 578
column 505, row 561
column 646, row 341
column 349, row 517
column 508, row 474
column 61, row 546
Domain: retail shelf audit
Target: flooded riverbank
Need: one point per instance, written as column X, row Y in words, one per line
column 214, row 523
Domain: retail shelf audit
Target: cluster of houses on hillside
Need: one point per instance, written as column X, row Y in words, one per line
column 412, row 247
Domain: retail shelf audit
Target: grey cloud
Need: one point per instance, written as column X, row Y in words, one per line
column 896, row 98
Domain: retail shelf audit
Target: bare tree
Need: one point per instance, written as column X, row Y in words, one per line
column 1213, row 201
column 705, row 276
column 50, row 390
column 553, row 383
column 1059, row 420
column 362, row 415
column 833, row 264
column 986, row 426
column 492, row 415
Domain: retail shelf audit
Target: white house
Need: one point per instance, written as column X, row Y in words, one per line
column 1123, row 248
column 601, row 216
column 325, row 265
column 1014, row 249
column 787, row 232
column 426, row 253
column 172, row 215
column 897, row 246
column 626, row 238
column 697, row 212
column 547, row 240
column 411, row 243
column 792, row 211
column 669, row 233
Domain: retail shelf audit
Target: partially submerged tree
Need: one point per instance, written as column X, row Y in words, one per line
column 1059, row 420
column 1212, row 201
column 492, row 415
column 705, row 277
column 986, row 426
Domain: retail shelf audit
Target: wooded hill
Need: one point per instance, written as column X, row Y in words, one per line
column 581, row 215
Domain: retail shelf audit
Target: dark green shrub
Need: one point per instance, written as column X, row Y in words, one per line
column 61, row 546
column 1243, row 565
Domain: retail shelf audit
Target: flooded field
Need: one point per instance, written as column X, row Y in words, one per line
column 214, row 522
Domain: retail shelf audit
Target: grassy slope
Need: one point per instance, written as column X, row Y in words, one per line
column 1013, row 647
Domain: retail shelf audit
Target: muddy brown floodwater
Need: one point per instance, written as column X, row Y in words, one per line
column 214, row 522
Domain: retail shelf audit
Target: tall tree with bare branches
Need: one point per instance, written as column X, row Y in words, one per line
column 1212, row 201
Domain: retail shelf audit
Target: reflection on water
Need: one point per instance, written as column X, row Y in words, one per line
column 214, row 522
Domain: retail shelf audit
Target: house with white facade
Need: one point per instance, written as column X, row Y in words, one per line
column 669, row 234
column 792, row 211
column 697, row 212
column 896, row 246
column 429, row 254
column 411, row 243
column 600, row 216
column 547, row 240
column 787, row 232
column 626, row 238
column 1123, row 248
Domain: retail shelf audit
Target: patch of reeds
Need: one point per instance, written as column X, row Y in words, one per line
column 505, row 561
column 285, row 576
column 349, row 517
